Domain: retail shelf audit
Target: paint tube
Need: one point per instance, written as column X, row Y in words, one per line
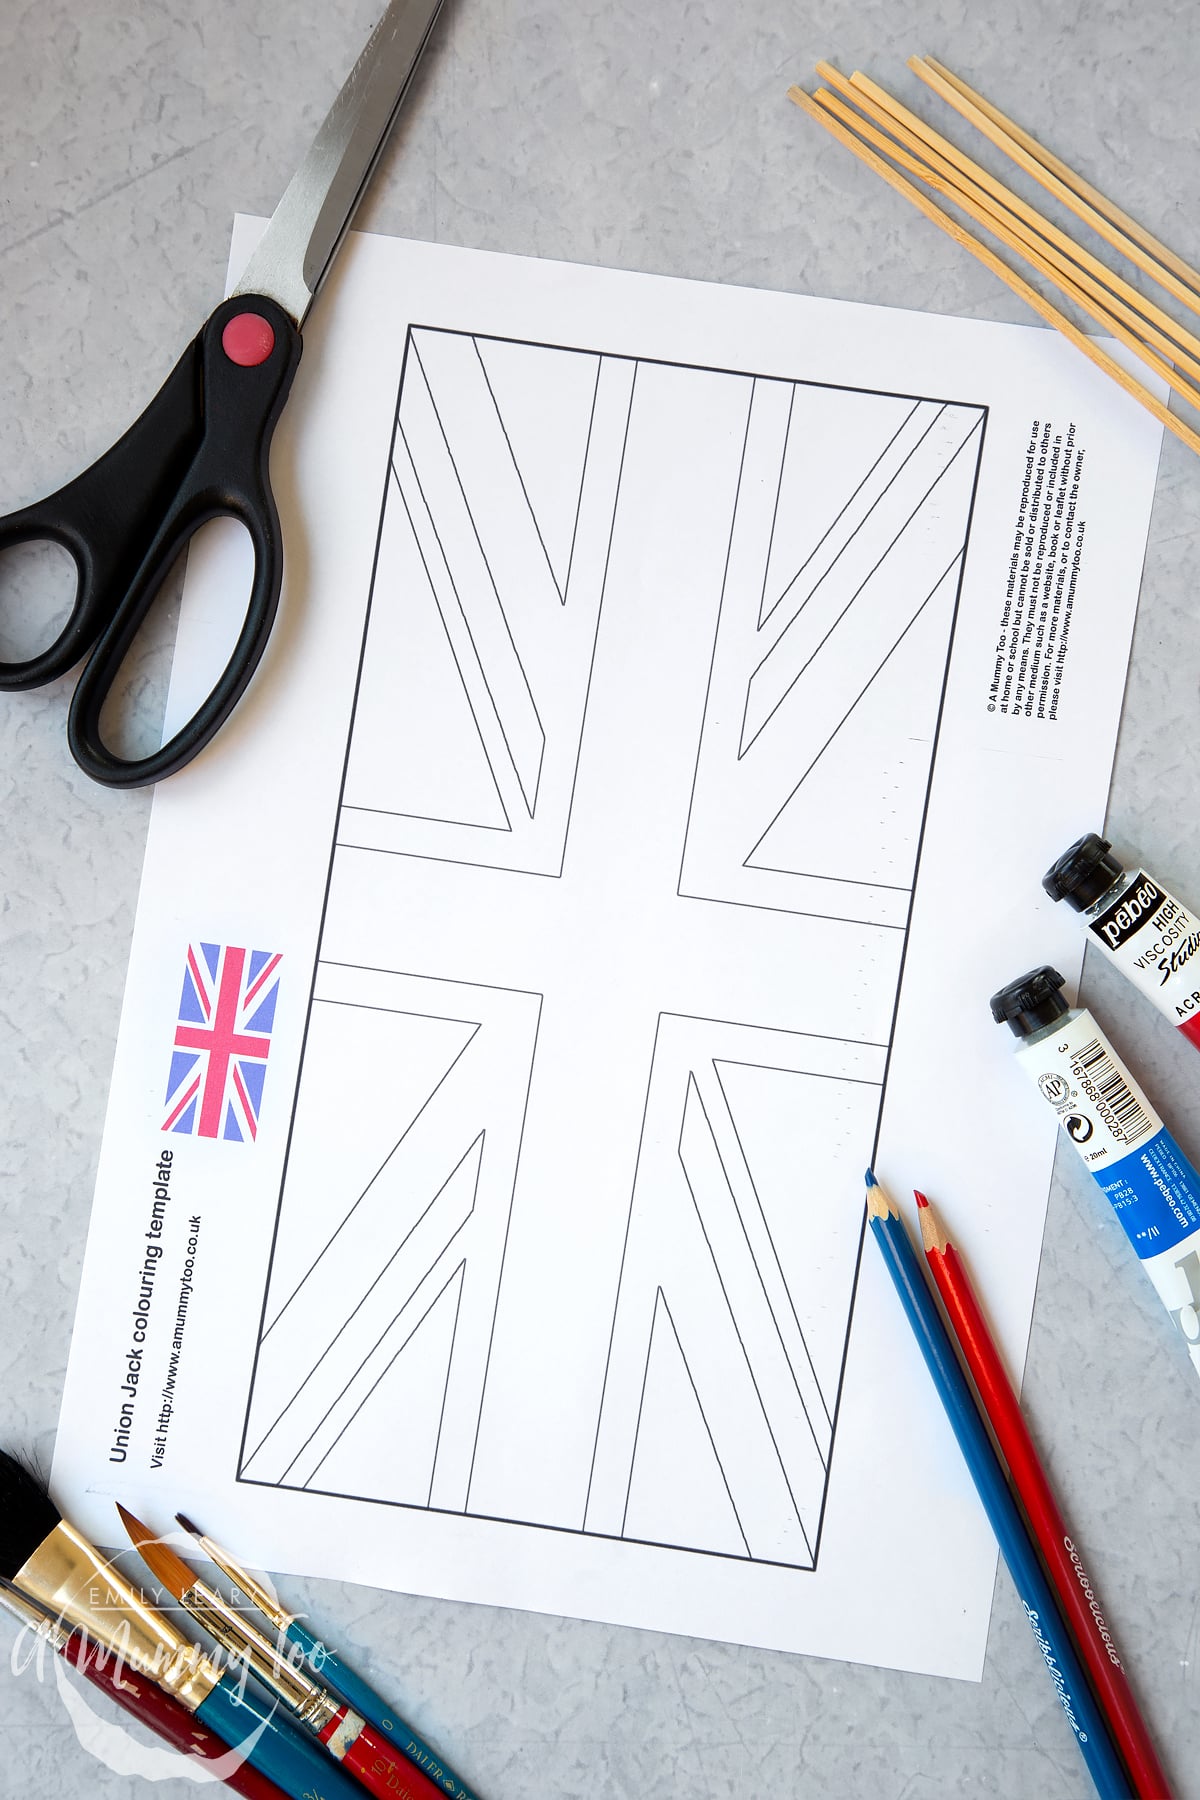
column 1151, row 1186
column 1152, row 937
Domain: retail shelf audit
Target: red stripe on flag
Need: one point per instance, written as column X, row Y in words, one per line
column 244, row 1097
column 199, row 983
column 264, row 976
column 182, row 1104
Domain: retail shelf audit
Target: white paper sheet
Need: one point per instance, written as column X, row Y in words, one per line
column 615, row 853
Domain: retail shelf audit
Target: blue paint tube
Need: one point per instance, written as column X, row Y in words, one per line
column 1151, row 1186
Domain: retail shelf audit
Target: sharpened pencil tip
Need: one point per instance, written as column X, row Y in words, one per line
column 933, row 1237
column 880, row 1204
column 918, row 1196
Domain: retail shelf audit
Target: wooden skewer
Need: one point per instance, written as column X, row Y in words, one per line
column 1017, row 237
column 1082, row 209
column 1083, row 188
column 986, row 198
column 1157, row 324
column 1011, row 279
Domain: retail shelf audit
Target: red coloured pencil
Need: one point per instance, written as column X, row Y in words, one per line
column 1064, row 1567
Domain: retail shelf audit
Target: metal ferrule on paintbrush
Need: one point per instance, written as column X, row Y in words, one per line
column 256, row 1593
column 70, row 1579
column 236, row 1635
column 57, row 1633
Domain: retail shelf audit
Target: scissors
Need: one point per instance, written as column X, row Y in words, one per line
column 200, row 450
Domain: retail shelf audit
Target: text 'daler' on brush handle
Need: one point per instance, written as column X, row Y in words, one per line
column 396, row 1732
column 380, row 1767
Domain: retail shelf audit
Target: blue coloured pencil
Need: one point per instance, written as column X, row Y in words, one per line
column 987, row 1472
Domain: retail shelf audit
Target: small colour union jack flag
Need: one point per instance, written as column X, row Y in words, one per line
column 219, row 1064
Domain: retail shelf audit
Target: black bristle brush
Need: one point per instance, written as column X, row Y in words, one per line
column 27, row 1515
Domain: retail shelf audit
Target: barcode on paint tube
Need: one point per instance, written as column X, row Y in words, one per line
column 1093, row 1062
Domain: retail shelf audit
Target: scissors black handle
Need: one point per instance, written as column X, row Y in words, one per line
column 200, row 451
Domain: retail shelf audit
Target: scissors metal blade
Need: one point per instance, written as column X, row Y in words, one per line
column 307, row 227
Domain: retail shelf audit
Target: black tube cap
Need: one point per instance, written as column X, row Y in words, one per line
column 1031, row 1002
column 1083, row 872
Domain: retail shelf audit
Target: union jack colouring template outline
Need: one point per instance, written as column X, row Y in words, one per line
column 710, row 1338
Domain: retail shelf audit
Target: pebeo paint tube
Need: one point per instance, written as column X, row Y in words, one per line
column 1153, row 1189
column 1152, row 937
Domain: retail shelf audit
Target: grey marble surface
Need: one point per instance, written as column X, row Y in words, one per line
column 650, row 136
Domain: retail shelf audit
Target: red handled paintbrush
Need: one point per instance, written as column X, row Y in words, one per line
column 148, row 1703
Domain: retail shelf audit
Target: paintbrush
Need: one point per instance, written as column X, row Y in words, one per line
column 150, row 1704
column 332, row 1671
column 48, row 1560
column 358, row 1746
